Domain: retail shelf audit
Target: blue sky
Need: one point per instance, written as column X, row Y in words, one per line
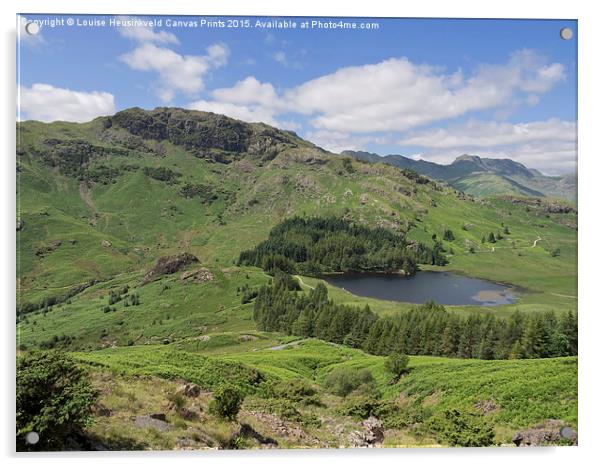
column 425, row 88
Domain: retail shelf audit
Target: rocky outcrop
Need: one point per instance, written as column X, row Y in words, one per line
column 169, row 264
column 200, row 276
column 152, row 420
column 551, row 432
column 372, row 435
column 486, row 406
column 46, row 248
column 190, row 390
column 207, row 135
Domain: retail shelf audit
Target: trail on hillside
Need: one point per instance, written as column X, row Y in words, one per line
column 303, row 283
column 286, row 345
column 535, row 242
column 84, row 193
column 564, row 295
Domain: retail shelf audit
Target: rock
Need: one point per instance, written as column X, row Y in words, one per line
column 188, row 414
column 146, row 421
column 190, row 390
column 48, row 247
column 159, row 416
column 105, row 244
column 200, row 275
column 486, row 406
column 547, row 433
column 101, row 410
column 372, row 435
column 247, row 338
column 168, row 265
column 375, row 430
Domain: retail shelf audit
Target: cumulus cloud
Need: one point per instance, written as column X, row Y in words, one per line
column 249, row 91
column 177, row 73
column 548, row 145
column 252, row 114
column 47, row 103
column 140, row 30
column 336, row 141
column 398, row 95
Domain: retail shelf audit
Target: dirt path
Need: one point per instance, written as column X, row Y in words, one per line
column 535, row 242
column 286, row 345
column 84, row 193
column 303, row 283
column 564, row 295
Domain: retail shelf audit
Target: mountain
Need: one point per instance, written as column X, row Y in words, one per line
column 484, row 177
column 130, row 234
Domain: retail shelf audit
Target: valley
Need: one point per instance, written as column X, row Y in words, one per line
column 135, row 258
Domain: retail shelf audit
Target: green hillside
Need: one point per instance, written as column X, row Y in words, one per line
column 129, row 238
column 518, row 394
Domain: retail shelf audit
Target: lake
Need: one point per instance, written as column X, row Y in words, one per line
column 441, row 287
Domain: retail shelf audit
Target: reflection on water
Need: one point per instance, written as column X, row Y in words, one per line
column 441, row 287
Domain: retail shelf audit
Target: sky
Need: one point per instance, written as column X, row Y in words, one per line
column 429, row 89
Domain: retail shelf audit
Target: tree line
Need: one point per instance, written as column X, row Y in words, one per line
column 317, row 245
column 428, row 329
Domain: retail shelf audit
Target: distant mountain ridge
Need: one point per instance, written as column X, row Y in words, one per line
column 483, row 176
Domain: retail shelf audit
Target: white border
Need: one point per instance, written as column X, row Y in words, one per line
column 590, row 227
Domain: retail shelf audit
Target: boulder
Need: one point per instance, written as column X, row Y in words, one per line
column 169, row 264
column 190, row 390
column 200, row 275
column 159, row 416
column 548, row 433
column 372, row 435
column 145, row 421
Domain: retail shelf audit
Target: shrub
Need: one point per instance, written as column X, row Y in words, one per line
column 227, row 400
column 344, row 380
column 397, row 363
column 462, row 428
column 54, row 399
column 448, row 235
column 363, row 407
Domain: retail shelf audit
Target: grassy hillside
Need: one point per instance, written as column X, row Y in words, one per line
column 518, row 393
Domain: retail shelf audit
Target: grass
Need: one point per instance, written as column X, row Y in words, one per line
column 523, row 392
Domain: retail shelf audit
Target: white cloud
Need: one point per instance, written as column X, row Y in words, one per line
column 247, row 113
column 398, row 95
column 47, row 103
column 249, row 91
column 140, row 30
column 546, row 145
column 487, row 134
column 280, row 57
column 177, row 73
column 335, row 141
